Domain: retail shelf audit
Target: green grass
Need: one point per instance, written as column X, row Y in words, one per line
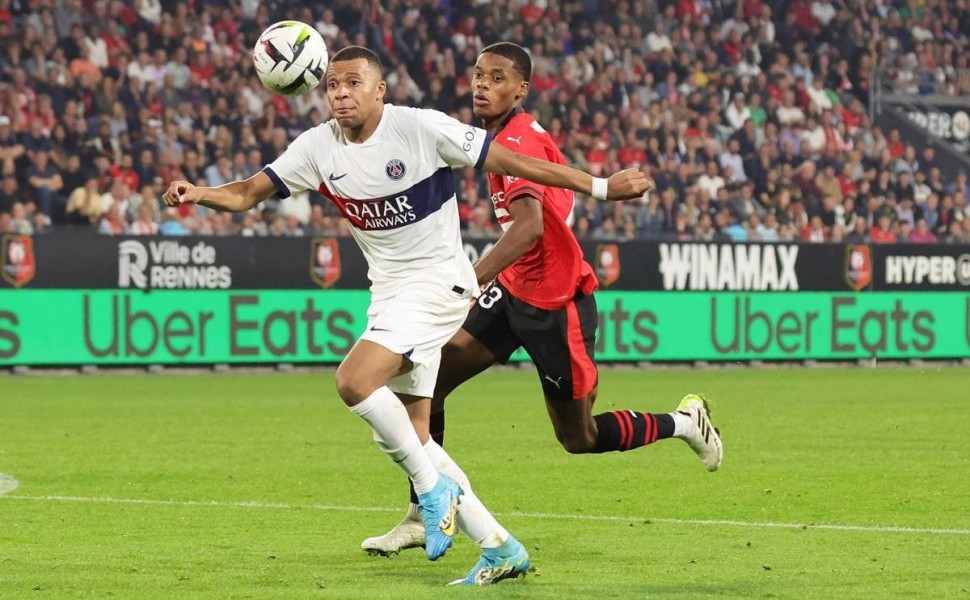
column 867, row 448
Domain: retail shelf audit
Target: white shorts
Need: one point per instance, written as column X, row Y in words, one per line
column 416, row 323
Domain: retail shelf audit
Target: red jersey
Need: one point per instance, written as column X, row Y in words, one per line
column 550, row 273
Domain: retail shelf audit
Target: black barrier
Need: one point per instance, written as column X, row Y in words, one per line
column 931, row 268
column 85, row 261
column 949, row 123
column 679, row 266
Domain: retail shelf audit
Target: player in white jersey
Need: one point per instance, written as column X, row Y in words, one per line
column 387, row 169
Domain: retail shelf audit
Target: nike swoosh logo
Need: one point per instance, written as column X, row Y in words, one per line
column 378, row 329
column 448, row 524
column 336, row 177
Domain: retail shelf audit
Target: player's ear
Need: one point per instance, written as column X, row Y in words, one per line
column 523, row 90
column 381, row 89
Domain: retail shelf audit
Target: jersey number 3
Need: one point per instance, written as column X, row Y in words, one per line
column 490, row 296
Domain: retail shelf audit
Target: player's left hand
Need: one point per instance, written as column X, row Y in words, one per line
column 628, row 184
column 180, row 192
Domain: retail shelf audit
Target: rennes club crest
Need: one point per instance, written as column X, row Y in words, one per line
column 607, row 264
column 858, row 266
column 17, row 259
column 324, row 261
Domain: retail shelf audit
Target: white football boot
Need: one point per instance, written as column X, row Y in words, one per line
column 409, row 533
column 704, row 438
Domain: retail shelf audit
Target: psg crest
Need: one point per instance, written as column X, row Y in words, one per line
column 17, row 259
column 395, row 169
column 858, row 266
column 607, row 264
column 324, row 261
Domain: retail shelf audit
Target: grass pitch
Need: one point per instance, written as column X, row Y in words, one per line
column 836, row 483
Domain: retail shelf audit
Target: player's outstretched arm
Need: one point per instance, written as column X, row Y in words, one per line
column 237, row 196
column 526, row 229
column 624, row 185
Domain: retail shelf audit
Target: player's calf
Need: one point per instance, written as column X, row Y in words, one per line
column 581, row 432
column 579, row 440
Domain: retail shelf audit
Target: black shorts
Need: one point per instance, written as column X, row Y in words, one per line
column 560, row 342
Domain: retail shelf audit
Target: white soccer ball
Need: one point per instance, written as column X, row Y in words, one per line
column 291, row 58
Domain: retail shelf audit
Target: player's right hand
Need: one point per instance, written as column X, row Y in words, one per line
column 181, row 192
column 628, row 184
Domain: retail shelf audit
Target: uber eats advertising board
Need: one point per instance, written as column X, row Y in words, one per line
column 70, row 300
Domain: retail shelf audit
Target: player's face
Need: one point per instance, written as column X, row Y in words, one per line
column 496, row 85
column 355, row 90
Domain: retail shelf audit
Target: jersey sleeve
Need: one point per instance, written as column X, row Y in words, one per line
column 295, row 170
column 457, row 144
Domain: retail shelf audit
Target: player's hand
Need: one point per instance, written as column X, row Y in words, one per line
column 181, row 192
column 628, row 184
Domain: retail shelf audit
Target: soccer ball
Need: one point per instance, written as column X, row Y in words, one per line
column 291, row 58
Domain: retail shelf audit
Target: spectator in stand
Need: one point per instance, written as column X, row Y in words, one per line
column 907, row 163
column 922, row 234
column 960, row 187
column 113, row 221
column 109, row 83
column 929, row 211
column 84, row 204
column 905, row 212
column 955, row 234
column 44, row 184
column 9, row 193
column 711, row 181
column 904, row 232
column 820, row 100
column 736, row 230
column 788, row 114
column 170, row 224
column 947, row 215
column 814, row 231
column 20, row 220
column 769, row 231
column 737, row 112
column 481, row 225
column 858, row 234
column 145, row 223
column 882, row 233
column 606, row 232
column 731, row 161
column 828, row 184
column 147, row 195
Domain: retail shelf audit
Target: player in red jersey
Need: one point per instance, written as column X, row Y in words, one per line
column 539, row 296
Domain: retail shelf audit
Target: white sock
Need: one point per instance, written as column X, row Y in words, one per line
column 683, row 425
column 474, row 520
column 395, row 435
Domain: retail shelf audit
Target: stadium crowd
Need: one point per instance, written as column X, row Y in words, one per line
column 750, row 115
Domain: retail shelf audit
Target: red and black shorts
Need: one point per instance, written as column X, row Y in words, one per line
column 560, row 342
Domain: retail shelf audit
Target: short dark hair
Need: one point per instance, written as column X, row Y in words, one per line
column 355, row 52
column 521, row 61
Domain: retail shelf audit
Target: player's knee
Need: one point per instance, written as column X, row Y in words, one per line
column 352, row 390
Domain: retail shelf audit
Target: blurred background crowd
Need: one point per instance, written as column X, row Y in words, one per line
column 750, row 115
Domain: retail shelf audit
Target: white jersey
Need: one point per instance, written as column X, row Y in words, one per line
column 396, row 189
